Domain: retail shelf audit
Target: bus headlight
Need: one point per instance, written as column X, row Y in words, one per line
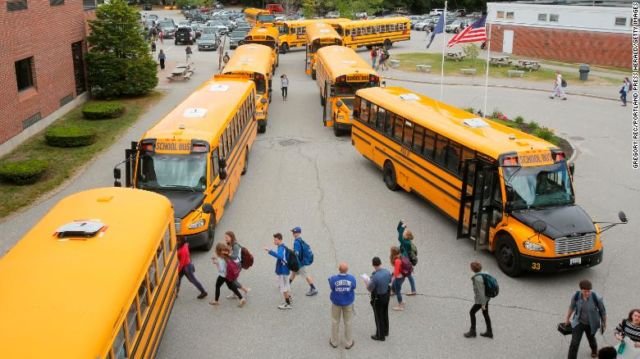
column 536, row 247
column 197, row 224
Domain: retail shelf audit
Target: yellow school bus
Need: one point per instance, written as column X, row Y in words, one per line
column 510, row 192
column 267, row 36
column 254, row 61
column 318, row 34
column 293, row 33
column 259, row 17
column 196, row 154
column 94, row 278
column 375, row 32
column 340, row 72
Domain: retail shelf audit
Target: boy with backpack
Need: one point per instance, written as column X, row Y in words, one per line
column 283, row 262
column 304, row 255
column 485, row 287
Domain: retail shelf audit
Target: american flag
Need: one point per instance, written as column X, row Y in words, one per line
column 472, row 33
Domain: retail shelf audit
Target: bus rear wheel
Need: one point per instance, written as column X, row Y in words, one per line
column 262, row 127
column 322, row 100
column 246, row 161
column 389, row 176
column 508, row 256
column 313, row 74
column 336, row 130
column 211, row 233
column 387, row 44
column 284, row 48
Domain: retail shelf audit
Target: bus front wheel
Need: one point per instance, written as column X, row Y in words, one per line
column 262, row 127
column 387, row 44
column 211, row 232
column 313, row 74
column 389, row 176
column 284, row 48
column 508, row 256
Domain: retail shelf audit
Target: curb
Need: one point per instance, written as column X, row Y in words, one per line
column 499, row 86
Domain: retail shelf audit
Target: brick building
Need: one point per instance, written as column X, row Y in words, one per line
column 595, row 35
column 43, row 44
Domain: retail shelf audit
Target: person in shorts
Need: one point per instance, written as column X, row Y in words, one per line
column 282, row 271
column 297, row 248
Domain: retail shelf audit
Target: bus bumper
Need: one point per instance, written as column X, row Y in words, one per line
column 536, row 264
column 342, row 126
column 196, row 240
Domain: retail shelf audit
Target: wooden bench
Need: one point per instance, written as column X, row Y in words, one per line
column 423, row 68
column 394, row 63
column 468, row 71
column 500, row 61
column 528, row 65
column 455, row 56
column 519, row 73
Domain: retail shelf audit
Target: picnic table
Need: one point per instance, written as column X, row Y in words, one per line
column 182, row 71
column 530, row 65
column 455, row 56
column 500, row 60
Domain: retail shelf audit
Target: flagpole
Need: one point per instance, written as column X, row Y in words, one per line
column 486, row 80
column 444, row 45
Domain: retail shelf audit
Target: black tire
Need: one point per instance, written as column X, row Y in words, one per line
column 211, row 233
column 387, row 44
column 369, row 47
column 322, row 100
column 262, row 127
column 313, row 74
column 284, row 48
column 336, row 130
column 508, row 256
column 246, row 161
column 389, row 176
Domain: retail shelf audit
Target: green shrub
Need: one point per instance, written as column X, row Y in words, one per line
column 470, row 109
column 519, row 120
column 533, row 126
column 23, row 172
column 102, row 110
column 70, row 136
column 544, row 133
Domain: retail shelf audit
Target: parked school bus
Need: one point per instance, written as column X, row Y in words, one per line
column 196, row 154
column 340, row 72
column 510, row 192
column 259, row 17
column 375, row 32
column 293, row 32
column 318, row 35
column 94, row 278
column 267, row 36
column 254, row 61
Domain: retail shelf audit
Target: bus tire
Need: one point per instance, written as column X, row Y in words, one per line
column 322, row 100
column 211, row 232
column 336, row 130
column 262, row 127
column 508, row 256
column 389, row 176
column 284, row 48
column 387, row 44
column 313, row 74
column 246, row 161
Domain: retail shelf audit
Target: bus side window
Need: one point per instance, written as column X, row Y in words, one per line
column 429, row 144
column 388, row 124
column 441, row 143
column 132, row 324
column 161, row 258
column 373, row 112
column 453, row 157
column 167, row 240
column 364, row 110
column 407, row 138
column 153, row 278
column 215, row 163
column 380, row 121
column 143, row 297
column 356, row 107
column 418, row 139
column 118, row 347
column 397, row 128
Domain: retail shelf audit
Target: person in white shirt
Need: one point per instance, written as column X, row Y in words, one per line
column 558, row 89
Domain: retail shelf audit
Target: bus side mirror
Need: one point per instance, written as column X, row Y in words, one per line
column 623, row 217
column 117, row 174
column 223, row 173
column 572, row 168
column 539, row 226
column 509, row 192
column 207, row 208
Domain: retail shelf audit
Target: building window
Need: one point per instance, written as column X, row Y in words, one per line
column 510, row 15
column 24, row 73
column 621, row 21
column 542, row 17
column 554, row 17
column 89, row 4
column 15, row 5
column 56, row 2
column 500, row 15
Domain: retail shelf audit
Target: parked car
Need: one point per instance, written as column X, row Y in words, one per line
column 208, row 42
column 235, row 37
column 168, row 28
column 423, row 25
column 185, row 35
column 147, row 6
column 333, row 15
column 456, row 26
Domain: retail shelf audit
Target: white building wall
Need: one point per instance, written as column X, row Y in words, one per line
column 590, row 18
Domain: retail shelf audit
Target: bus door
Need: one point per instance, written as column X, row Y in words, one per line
column 479, row 181
column 329, row 92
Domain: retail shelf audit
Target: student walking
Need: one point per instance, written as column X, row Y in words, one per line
column 481, row 301
column 407, row 249
column 378, row 286
column 384, row 56
column 186, row 268
column 626, row 87
column 161, row 36
column 228, row 271
column 236, row 256
column 284, row 85
column 343, row 286
column 398, row 277
column 589, row 315
column 188, row 52
column 558, row 87
column 162, row 58
column 374, row 56
column 305, row 258
column 282, row 271
column 630, row 329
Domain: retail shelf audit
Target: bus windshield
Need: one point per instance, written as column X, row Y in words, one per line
column 535, row 187
column 172, row 172
column 261, row 85
column 350, row 88
column 266, row 18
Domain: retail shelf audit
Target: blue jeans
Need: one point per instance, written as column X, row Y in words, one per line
column 397, row 287
column 412, row 283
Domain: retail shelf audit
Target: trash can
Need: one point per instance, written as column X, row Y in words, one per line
column 584, row 72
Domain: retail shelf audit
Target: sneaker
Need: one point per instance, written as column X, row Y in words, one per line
column 470, row 334
column 350, row 345
column 213, row 302
column 411, row 294
column 487, row 334
column 398, row 307
column 284, row 306
column 202, row 295
column 312, row 292
column 242, row 302
column 564, row 99
column 231, row 296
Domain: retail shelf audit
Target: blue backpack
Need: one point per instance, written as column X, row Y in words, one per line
column 491, row 288
column 306, row 254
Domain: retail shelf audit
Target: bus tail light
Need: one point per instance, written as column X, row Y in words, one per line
column 146, row 146
column 557, row 155
column 198, row 148
column 374, row 78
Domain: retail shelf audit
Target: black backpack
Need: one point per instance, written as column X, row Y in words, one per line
column 491, row 287
column 563, row 83
column 292, row 260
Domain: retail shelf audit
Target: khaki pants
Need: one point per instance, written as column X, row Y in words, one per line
column 347, row 313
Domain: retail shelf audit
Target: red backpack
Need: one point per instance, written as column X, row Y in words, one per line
column 405, row 266
column 233, row 270
column 246, row 258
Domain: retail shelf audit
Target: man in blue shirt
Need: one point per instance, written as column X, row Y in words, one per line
column 378, row 285
column 302, row 271
column 282, row 271
column 343, row 286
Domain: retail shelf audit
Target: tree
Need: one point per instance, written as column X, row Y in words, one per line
column 119, row 63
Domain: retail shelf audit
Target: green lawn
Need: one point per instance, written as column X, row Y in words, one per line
column 408, row 62
column 64, row 162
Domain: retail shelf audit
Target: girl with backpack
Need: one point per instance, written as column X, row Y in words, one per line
column 228, row 271
column 399, row 272
column 186, row 268
column 408, row 249
column 235, row 255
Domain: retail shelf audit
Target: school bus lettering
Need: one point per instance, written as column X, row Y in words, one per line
column 173, row 147
column 535, row 159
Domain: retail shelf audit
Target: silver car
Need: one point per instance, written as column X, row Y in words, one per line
column 208, row 42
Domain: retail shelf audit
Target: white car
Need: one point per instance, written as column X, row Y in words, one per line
column 456, row 26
